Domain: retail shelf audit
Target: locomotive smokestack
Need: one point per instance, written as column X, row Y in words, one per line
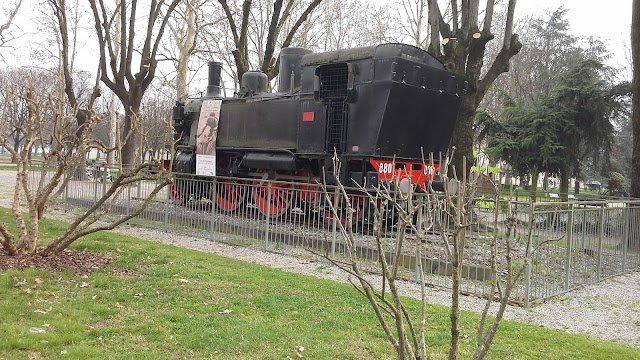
column 213, row 85
column 290, row 69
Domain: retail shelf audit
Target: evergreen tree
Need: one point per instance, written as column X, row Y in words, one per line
column 583, row 98
column 559, row 133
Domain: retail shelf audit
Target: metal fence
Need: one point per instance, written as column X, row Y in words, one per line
column 576, row 242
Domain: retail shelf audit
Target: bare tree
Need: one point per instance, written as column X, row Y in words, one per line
column 635, row 55
column 382, row 26
column 186, row 41
column 550, row 51
column 344, row 24
column 414, row 15
column 55, row 133
column 114, row 114
column 14, row 111
column 267, row 55
column 449, row 215
column 64, row 134
column 331, row 25
column 5, row 32
column 186, row 26
column 117, row 69
column 460, row 44
column 156, row 111
column 66, row 46
column 218, row 44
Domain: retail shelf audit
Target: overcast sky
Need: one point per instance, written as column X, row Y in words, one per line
column 611, row 23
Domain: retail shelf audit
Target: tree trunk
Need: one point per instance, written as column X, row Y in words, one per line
column 635, row 56
column 33, row 229
column 456, row 259
column 454, row 313
column 576, row 189
column 16, row 148
column 185, row 50
column 113, row 130
column 131, row 136
column 634, row 221
column 268, row 63
column 463, row 134
column 181, row 79
column 113, row 111
column 533, row 189
column 564, row 187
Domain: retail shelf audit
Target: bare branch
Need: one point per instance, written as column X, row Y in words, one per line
column 4, row 27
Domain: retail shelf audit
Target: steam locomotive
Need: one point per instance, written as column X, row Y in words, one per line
column 379, row 108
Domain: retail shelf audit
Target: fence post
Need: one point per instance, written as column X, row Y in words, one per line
column 568, row 250
column 420, row 217
column 128, row 199
column 95, row 186
column 600, row 236
column 527, row 284
column 104, row 180
column 66, row 192
column 268, row 216
column 167, row 199
column 627, row 235
column 528, row 260
column 418, row 259
column 214, row 195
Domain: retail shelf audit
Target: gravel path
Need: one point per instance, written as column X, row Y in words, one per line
column 608, row 310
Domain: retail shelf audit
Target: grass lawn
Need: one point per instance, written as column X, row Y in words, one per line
column 161, row 302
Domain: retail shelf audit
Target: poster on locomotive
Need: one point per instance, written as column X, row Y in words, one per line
column 206, row 137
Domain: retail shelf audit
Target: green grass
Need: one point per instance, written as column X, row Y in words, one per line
column 8, row 167
column 171, row 304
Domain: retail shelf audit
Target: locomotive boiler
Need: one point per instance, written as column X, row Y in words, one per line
column 379, row 108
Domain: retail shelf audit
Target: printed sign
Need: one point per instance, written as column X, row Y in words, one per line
column 205, row 165
column 206, row 137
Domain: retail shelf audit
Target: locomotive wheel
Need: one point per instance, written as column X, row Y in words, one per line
column 310, row 191
column 358, row 204
column 176, row 194
column 230, row 196
column 276, row 203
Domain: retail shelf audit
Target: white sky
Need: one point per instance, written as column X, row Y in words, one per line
column 610, row 20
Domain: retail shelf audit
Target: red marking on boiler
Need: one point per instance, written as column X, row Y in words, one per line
column 308, row 116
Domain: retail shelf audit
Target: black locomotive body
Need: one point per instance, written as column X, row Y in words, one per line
column 379, row 108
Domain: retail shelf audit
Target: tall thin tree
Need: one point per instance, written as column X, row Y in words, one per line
column 635, row 55
column 5, row 35
column 279, row 16
column 117, row 68
column 67, row 49
column 460, row 44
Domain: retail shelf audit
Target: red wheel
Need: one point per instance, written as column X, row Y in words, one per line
column 230, row 196
column 359, row 206
column 176, row 194
column 276, row 202
column 309, row 190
